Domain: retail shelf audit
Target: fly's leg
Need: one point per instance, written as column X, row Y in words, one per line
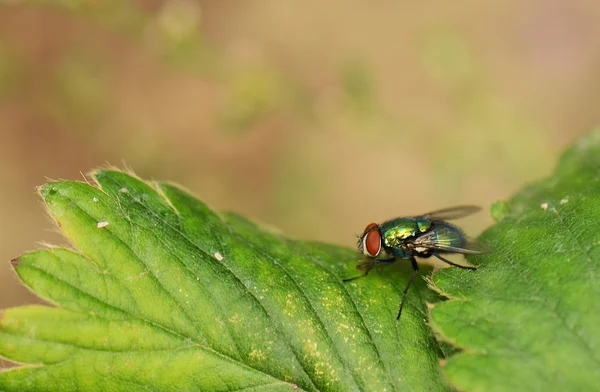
column 454, row 264
column 368, row 266
column 387, row 261
column 415, row 266
column 365, row 267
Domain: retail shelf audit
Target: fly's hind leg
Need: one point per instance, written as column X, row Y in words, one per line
column 454, row 264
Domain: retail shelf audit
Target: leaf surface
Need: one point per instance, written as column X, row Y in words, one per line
column 162, row 294
column 528, row 318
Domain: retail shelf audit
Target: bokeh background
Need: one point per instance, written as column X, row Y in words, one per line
column 314, row 117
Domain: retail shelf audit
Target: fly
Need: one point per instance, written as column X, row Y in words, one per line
column 419, row 236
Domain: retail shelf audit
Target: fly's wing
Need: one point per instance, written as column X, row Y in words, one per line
column 452, row 213
column 447, row 244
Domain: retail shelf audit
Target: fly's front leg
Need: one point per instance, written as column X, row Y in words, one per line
column 367, row 266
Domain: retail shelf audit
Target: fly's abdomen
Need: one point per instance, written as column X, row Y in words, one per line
column 445, row 234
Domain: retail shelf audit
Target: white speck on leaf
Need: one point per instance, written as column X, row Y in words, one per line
column 102, row 224
column 123, row 190
column 564, row 201
column 218, row 256
column 95, row 199
column 544, row 206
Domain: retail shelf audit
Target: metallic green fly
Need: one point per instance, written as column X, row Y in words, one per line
column 420, row 236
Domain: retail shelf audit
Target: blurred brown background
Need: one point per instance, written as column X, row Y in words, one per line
column 315, row 117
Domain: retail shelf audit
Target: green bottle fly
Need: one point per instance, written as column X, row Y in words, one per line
column 420, row 236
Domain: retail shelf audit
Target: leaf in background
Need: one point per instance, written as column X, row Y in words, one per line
column 164, row 294
column 529, row 318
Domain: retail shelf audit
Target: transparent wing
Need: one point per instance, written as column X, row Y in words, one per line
column 431, row 241
column 452, row 213
column 454, row 249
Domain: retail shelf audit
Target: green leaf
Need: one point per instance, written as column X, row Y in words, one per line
column 528, row 319
column 163, row 294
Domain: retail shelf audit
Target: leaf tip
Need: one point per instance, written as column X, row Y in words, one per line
column 46, row 190
column 429, row 279
column 14, row 263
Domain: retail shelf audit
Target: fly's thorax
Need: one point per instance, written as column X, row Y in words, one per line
column 395, row 231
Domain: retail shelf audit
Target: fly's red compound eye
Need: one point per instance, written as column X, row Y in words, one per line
column 372, row 240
